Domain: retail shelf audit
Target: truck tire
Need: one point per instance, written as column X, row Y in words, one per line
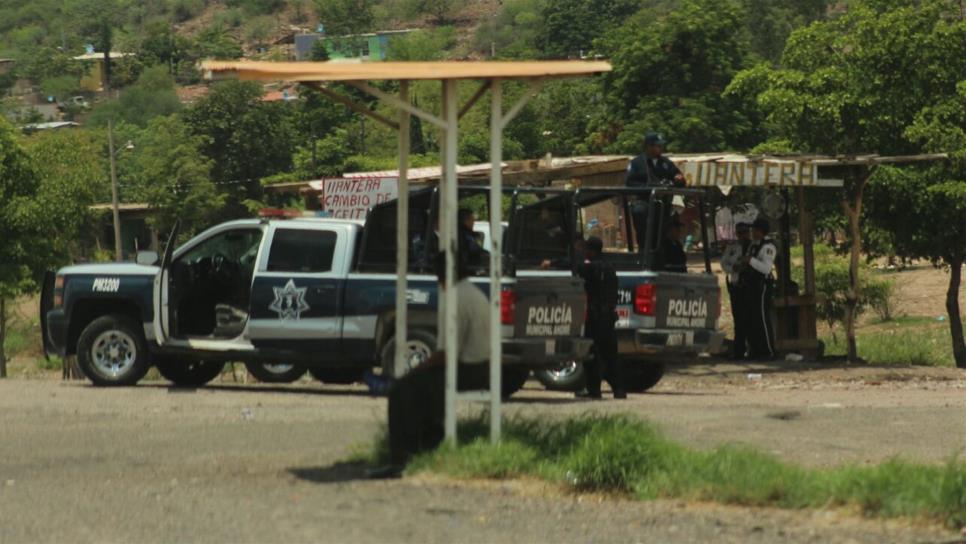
column 275, row 373
column 111, row 351
column 639, row 376
column 340, row 376
column 567, row 376
column 189, row 373
column 421, row 345
column 514, row 378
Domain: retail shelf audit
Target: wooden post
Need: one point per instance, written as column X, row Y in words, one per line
column 3, row 335
column 807, row 237
column 853, row 211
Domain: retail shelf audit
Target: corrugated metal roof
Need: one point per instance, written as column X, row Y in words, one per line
column 330, row 71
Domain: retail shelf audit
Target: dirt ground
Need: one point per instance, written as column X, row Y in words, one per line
column 242, row 463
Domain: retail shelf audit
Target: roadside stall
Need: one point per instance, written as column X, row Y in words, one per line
column 491, row 76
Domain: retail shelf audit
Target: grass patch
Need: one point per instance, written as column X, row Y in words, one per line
column 913, row 341
column 622, row 454
column 53, row 363
column 19, row 337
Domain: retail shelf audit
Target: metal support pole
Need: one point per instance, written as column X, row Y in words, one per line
column 448, row 224
column 115, row 201
column 496, row 252
column 402, row 239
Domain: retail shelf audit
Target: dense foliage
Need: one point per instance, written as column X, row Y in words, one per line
column 813, row 76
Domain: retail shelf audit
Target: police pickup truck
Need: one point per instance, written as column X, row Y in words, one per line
column 665, row 315
column 283, row 295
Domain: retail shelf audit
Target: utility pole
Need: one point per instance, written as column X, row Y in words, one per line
column 115, row 203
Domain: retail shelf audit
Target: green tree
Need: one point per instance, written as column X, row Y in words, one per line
column 45, row 193
column 570, row 27
column 172, row 174
column 342, row 17
column 923, row 212
column 856, row 84
column 669, row 75
column 215, row 42
column 246, row 138
column 153, row 95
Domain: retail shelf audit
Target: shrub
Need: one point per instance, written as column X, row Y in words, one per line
column 880, row 296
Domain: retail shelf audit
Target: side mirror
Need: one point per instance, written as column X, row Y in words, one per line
column 147, row 258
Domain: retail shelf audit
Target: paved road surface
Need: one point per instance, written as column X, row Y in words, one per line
column 255, row 464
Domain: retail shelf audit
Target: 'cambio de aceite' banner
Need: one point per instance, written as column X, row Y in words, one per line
column 346, row 198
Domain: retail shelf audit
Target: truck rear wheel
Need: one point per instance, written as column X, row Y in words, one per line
column 111, row 351
column 568, row 376
column 275, row 373
column 639, row 377
column 189, row 373
column 341, row 376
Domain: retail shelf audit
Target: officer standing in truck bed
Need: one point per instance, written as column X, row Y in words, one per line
column 651, row 169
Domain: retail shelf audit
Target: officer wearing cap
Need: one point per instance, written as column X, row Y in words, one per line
column 731, row 264
column 600, row 282
column 651, row 169
column 756, row 287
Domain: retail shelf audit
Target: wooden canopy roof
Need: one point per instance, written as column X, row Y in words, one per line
column 376, row 71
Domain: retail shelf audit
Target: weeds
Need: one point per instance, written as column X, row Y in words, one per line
column 625, row 455
column 927, row 346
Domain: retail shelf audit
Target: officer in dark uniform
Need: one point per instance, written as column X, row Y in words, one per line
column 671, row 257
column 651, row 169
column 757, row 286
column 476, row 256
column 600, row 281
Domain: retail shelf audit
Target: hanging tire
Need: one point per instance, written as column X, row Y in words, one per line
column 568, row 376
column 641, row 376
column 340, row 376
column 420, row 345
column 189, row 373
column 111, row 351
column 275, row 373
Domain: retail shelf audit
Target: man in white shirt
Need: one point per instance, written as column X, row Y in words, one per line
column 756, row 284
column 417, row 400
column 731, row 264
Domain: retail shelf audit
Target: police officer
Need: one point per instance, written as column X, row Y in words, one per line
column 600, row 282
column 651, row 169
column 757, row 286
column 671, row 257
column 476, row 256
column 731, row 264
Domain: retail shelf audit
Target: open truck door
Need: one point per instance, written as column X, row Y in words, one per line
column 162, row 317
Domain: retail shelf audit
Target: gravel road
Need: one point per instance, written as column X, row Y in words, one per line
column 235, row 463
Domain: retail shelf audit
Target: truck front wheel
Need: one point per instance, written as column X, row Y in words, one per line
column 111, row 351
column 275, row 373
column 190, row 373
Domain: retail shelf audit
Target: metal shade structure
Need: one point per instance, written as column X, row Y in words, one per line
column 449, row 74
